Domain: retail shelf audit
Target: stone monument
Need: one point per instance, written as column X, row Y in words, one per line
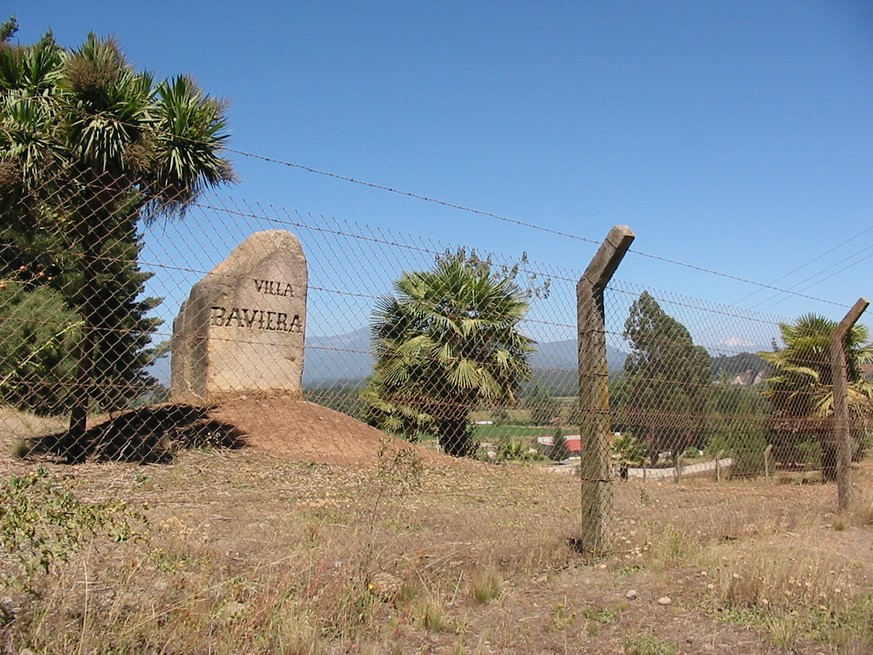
column 242, row 328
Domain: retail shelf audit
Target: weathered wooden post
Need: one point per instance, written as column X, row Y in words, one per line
column 768, row 461
column 841, row 432
column 596, row 425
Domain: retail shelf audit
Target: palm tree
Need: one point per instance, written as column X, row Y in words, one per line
column 800, row 388
column 447, row 341
column 88, row 146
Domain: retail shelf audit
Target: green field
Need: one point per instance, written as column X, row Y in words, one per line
column 495, row 432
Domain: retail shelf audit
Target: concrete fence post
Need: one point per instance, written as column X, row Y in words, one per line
column 596, row 427
column 718, row 465
column 841, row 432
column 768, row 461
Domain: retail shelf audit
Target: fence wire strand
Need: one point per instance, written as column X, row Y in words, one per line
column 456, row 351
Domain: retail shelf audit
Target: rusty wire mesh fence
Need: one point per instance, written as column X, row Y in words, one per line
column 719, row 415
column 228, row 427
column 472, row 354
column 247, row 369
column 381, row 407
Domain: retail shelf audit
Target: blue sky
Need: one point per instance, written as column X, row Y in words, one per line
column 732, row 136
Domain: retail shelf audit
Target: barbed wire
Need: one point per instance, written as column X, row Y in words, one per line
column 511, row 220
column 519, row 222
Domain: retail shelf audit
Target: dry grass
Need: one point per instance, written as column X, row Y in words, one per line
column 249, row 553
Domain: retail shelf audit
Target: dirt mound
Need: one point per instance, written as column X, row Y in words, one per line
column 281, row 426
column 303, row 431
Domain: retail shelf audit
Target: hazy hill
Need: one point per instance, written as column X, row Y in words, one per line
column 562, row 355
column 347, row 357
column 742, row 368
column 341, row 357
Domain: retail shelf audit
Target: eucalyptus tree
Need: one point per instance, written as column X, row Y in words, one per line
column 446, row 341
column 89, row 147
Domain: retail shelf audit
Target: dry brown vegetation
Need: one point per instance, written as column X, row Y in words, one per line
column 390, row 550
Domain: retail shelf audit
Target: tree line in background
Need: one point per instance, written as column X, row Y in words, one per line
column 440, row 355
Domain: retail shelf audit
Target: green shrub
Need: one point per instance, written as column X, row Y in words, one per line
column 691, row 453
column 747, row 450
column 627, row 450
column 509, row 450
column 42, row 525
column 38, row 334
column 543, row 407
column 717, row 443
column 810, row 453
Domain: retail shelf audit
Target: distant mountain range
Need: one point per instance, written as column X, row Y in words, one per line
column 347, row 357
column 341, row 357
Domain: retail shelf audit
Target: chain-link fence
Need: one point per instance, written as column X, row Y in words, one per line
column 316, row 436
column 293, row 381
column 709, row 395
column 472, row 354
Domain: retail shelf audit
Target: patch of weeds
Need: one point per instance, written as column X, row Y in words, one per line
column 795, row 599
column 408, row 591
column 358, row 603
column 562, row 616
column 166, row 561
column 839, row 525
column 844, row 629
column 629, row 569
column 640, row 644
column 313, row 534
column 487, row 586
column 432, row 616
column 602, row 615
column 645, row 497
column 399, row 468
column 673, row 547
column 599, row 616
column 782, row 631
column 42, row 525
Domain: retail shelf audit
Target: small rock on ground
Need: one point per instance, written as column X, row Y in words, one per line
column 665, row 600
column 232, row 611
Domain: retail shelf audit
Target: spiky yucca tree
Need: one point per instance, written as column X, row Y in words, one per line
column 88, row 147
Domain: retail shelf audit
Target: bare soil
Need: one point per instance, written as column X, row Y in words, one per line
column 284, row 546
column 302, row 431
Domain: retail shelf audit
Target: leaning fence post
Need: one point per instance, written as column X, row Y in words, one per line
column 841, row 431
column 594, row 384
